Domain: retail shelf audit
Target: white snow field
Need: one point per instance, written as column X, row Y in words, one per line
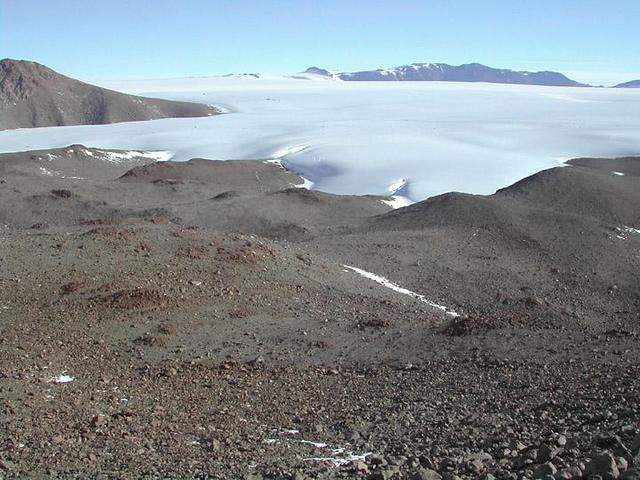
column 407, row 139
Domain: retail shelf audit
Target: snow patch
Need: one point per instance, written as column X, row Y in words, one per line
column 315, row 444
column 306, row 183
column 128, row 156
column 63, row 378
column 275, row 161
column 396, row 288
column 397, row 201
column 339, row 461
column 624, row 231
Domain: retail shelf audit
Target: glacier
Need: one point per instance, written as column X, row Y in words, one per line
column 361, row 137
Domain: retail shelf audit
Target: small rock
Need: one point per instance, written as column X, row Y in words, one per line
column 376, row 459
column 545, row 469
column 622, row 463
column 359, row 467
column 569, row 473
column 426, row 474
column 99, row 420
column 547, row 453
column 635, row 445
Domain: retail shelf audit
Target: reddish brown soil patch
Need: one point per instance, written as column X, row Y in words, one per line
column 139, row 299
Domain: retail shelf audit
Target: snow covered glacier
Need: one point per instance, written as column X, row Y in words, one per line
column 369, row 137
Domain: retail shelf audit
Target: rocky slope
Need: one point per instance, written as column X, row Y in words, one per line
column 442, row 72
column 32, row 95
column 199, row 320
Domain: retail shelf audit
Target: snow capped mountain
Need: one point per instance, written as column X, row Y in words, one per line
column 442, row 72
column 631, row 84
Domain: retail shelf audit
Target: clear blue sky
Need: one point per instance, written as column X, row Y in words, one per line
column 597, row 41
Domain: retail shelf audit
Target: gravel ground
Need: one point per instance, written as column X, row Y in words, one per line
column 148, row 331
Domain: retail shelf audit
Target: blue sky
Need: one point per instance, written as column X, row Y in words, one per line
column 595, row 41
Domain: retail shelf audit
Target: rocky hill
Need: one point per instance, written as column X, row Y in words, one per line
column 32, row 95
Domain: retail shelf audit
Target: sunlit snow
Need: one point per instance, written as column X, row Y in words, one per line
column 397, row 288
column 64, row 378
column 361, row 137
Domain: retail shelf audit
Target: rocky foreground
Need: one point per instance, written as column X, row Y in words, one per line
column 201, row 320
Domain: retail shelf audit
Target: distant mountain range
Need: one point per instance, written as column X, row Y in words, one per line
column 631, row 84
column 32, row 95
column 442, row 72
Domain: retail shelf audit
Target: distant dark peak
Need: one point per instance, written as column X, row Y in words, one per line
column 631, row 84
column 470, row 72
column 318, row 71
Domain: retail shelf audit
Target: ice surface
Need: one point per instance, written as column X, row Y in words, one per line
column 361, row 137
column 396, row 288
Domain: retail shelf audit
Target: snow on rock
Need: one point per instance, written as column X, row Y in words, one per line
column 122, row 157
column 398, row 190
column 396, row 288
column 623, row 232
column 306, row 183
column 337, row 456
column 275, row 161
column 340, row 460
column 397, row 202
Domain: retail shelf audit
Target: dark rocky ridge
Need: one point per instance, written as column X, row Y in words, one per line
column 442, row 72
column 32, row 95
